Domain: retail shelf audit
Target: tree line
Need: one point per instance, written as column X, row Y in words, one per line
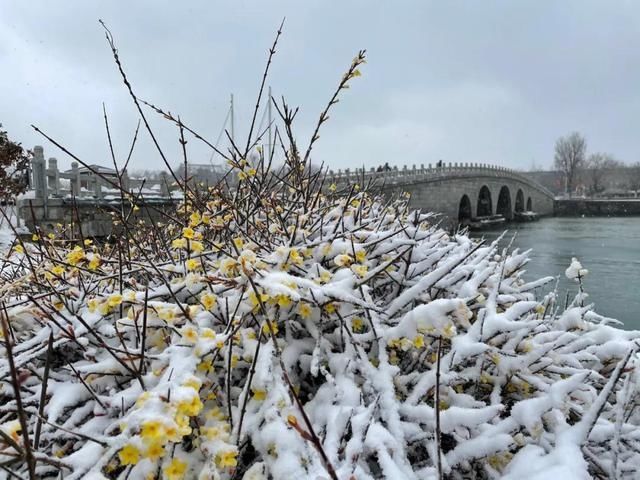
column 592, row 170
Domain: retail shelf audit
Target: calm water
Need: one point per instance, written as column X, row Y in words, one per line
column 608, row 247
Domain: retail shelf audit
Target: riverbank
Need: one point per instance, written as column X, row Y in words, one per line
column 575, row 207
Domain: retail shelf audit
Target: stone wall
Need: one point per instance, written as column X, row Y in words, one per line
column 597, row 208
column 92, row 216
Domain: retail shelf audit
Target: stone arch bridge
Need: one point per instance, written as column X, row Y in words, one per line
column 460, row 192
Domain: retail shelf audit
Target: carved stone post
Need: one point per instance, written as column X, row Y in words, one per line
column 164, row 184
column 75, row 180
column 53, row 175
column 39, row 173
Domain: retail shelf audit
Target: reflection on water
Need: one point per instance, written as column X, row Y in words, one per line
column 608, row 247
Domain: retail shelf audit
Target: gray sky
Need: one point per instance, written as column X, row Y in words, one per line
column 493, row 82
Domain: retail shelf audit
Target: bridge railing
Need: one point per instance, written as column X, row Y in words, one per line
column 394, row 176
column 49, row 182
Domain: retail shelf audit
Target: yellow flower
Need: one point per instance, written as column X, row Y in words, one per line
column 179, row 243
column 295, row 257
column 357, row 324
column 229, row 267
column 325, row 277
column 193, row 264
column 251, row 172
column 238, row 242
column 394, row 343
column 190, row 408
column 208, row 300
column 114, row 300
column 12, row 428
column 361, row 256
column 104, row 308
column 418, row 341
column 342, row 260
column 152, row 430
column 405, row 344
column 195, row 219
column 189, row 334
column 283, row 301
column 19, row 249
column 188, row 232
column 154, row 451
column 88, row 242
column 213, row 433
column 208, row 333
column 205, row 366
column 182, row 420
column 242, row 176
column 253, row 298
column 333, row 187
column 227, row 459
column 58, row 270
column 94, row 263
column 269, row 326
column 330, row 308
column 129, row 455
column 196, row 246
column 75, row 256
column 35, row 237
column 175, row 470
column 304, row 310
column 168, row 314
column 92, row 305
column 360, row 270
column 449, row 331
column 259, row 394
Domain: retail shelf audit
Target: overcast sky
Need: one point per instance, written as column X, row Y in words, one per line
column 475, row 81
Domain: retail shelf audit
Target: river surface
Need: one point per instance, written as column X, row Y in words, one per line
column 608, row 247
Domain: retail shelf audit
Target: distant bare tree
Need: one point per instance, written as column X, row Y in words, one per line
column 570, row 153
column 634, row 177
column 598, row 167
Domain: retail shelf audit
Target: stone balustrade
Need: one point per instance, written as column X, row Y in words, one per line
column 394, row 176
column 47, row 181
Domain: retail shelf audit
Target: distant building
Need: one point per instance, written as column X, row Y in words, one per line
column 88, row 173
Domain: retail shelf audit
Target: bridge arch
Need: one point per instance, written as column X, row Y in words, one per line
column 503, row 207
column 519, row 207
column 464, row 209
column 485, row 205
column 529, row 205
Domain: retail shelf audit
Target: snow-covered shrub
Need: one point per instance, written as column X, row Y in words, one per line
column 298, row 335
column 280, row 329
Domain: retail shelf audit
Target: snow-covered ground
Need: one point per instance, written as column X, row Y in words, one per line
column 6, row 232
